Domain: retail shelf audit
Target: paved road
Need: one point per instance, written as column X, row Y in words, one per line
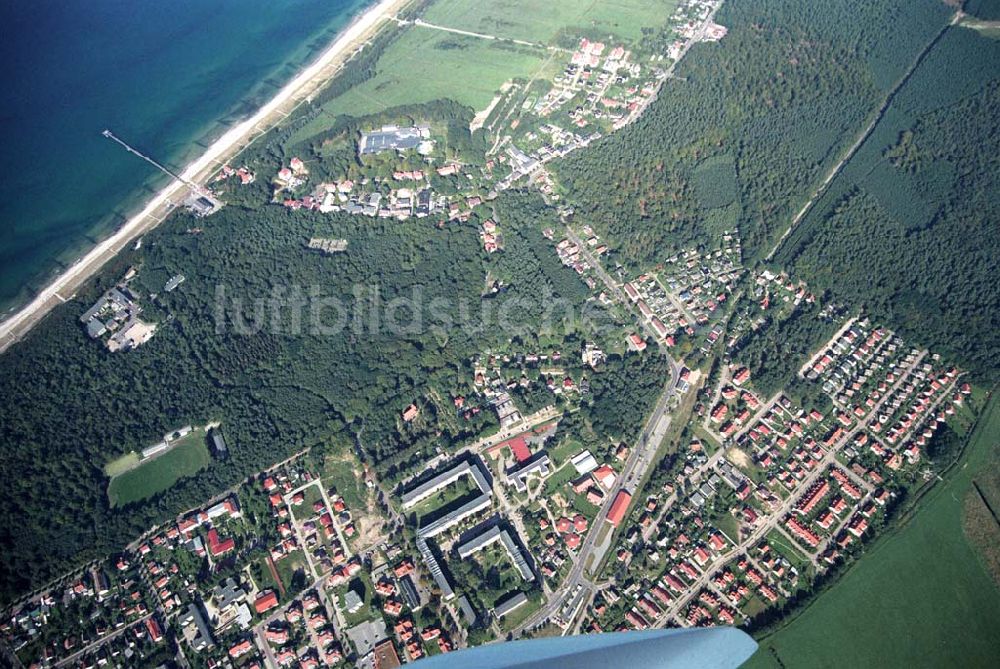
column 638, row 463
column 694, row 39
column 640, row 459
column 100, row 642
column 787, row 505
column 468, row 33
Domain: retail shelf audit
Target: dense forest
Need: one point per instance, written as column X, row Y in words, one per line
column 278, row 378
column 746, row 127
column 908, row 230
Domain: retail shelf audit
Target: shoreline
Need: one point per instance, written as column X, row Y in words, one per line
column 308, row 81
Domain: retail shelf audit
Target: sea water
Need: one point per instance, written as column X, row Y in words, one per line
column 167, row 76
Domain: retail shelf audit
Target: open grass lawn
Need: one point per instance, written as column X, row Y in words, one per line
column 424, row 65
column 557, row 481
column 262, row 575
column 543, row 20
column 292, row 570
column 362, row 584
column 343, row 474
column 792, row 552
column 581, row 505
column 310, row 495
column 122, row 464
column 450, row 497
column 729, row 525
column 186, row 457
column 565, row 450
column 520, row 614
column 920, row 598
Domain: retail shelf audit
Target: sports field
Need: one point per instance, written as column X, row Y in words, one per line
column 187, row 456
column 121, row 465
column 543, row 20
column 921, row 598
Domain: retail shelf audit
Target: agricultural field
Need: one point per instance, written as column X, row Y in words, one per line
column 187, row 456
column 624, row 19
column 936, row 605
column 425, row 64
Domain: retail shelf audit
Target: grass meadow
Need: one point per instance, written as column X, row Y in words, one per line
column 426, row 64
column 543, row 20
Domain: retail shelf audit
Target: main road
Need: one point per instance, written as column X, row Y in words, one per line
column 643, row 455
column 638, row 463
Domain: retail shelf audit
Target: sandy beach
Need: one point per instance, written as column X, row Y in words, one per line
column 223, row 150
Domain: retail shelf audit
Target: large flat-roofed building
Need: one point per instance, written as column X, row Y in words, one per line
column 477, row 471
column 391, row 138
column 385, row 656
column 474, row 505
column 468, row 613
column 509, row 604
column 409, row 592
column 429, row 487
column 195, row 628
column 584, row 462
column 495, row 533
column 518, row 476
column 219, row 444
column 434, row 568
column 202, row 204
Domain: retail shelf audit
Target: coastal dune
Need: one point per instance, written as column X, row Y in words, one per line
column 224, row 149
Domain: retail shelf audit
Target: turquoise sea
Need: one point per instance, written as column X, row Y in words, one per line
column 166, row 76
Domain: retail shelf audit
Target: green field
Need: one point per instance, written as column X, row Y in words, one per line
column 788, row 549
column 543, row 20
column 557, row 481
column 343, row 474
column 919, row 598
column 424, row 65
column 121, row 465
column 519, row 615
column 187, row 456
column 446, row 500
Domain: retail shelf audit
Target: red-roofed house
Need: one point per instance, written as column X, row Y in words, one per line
column 266, row 601
column 241, row 649
column 619, row 507
column 519, row 447
column 216, row 547
column 153, row 628
column 637, row 342
column 605, row 476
